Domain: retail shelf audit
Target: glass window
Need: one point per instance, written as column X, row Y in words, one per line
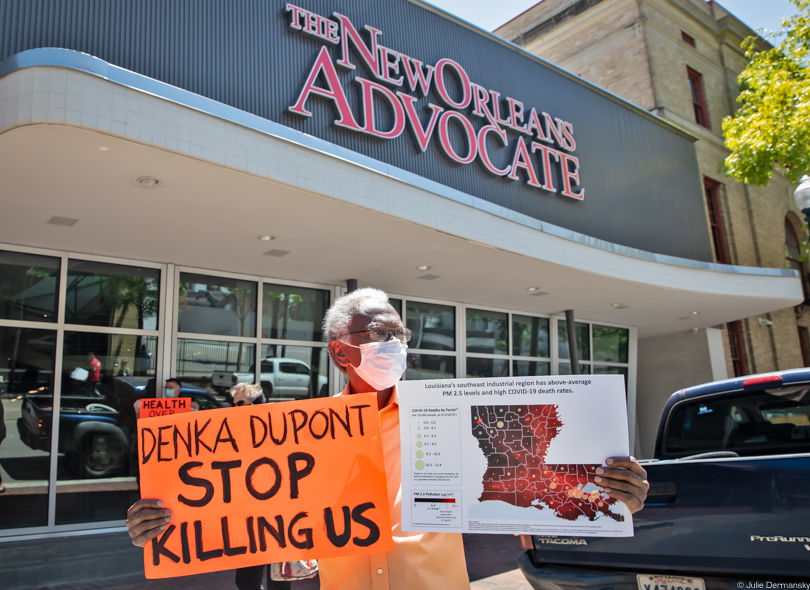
column 97, row 462
column 216, row 306
column 736, row 348
column 299, row 372
column 711, row 190
column 433, row 326
column 27, row 360
column 565, row 369
column 529, row 336
column 688, row 39
column 214, row 365
column 530, row 368
column 396, row 304
column 430, row 366
column 744, row 422
column 583, row 341
column 112, row 295
column 605, row 370
column 204, row 400
column 610, row 344
column 294, row 368
column 28, row 287
column 793, row 257
column 698, row 97
column 293, row 313
column 487, row 331
column 487, row 367
column 92, row 361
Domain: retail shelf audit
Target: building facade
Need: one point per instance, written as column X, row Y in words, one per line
column 187, row 186
column 680, row 60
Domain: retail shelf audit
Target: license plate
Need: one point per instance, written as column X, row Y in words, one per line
column 646, row 582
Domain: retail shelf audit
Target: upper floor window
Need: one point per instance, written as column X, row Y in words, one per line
column 793, row 256
column 698, row 97
column 736, row 348
column 688, row 39
column 804, row 342
column 712, row 191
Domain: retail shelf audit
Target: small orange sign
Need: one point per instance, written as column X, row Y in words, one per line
column 266, row 483
column 164, row 406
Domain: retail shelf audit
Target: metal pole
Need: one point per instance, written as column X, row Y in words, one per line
column 573, row 353
column 351, row 285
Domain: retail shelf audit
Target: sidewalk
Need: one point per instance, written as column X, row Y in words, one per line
column 491, row 563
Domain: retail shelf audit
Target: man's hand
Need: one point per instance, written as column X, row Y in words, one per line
column 146, row 519
column 624, row 479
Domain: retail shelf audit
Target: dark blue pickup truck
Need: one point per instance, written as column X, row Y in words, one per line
column 729, row 503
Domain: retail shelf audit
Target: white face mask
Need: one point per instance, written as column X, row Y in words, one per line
column 381, row 363
column 169, row 392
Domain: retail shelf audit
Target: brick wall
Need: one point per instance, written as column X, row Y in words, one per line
column 635, row 49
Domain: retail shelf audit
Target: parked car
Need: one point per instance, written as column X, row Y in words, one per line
column 97, row 436
column 284, row 378
column 729, row 500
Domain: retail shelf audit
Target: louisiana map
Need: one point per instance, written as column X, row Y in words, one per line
column 515, row 441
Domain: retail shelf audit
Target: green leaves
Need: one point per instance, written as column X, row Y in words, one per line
column 772, row 126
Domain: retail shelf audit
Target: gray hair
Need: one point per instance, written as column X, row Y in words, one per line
column 337, row 318
column 251, row 390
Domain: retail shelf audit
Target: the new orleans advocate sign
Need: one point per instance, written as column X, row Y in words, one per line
column 511, row 140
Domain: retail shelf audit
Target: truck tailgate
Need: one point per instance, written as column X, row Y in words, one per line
column 744, row 515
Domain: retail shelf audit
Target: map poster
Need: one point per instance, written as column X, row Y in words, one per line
column 512, row 455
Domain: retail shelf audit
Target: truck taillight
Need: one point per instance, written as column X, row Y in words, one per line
column 233, row 379
column 41, row 428
column 763, row 380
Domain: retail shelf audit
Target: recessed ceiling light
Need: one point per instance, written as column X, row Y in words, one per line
column 66, row 221
column 148, row 181
column 422, row 267
column 533, row 289
column 103, row 148
column 616, row 304
column 695, row 312
column 267, row 238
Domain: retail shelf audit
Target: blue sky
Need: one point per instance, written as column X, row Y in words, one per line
column 490, row 15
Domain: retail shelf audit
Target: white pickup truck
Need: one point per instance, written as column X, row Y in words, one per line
column 281, row 378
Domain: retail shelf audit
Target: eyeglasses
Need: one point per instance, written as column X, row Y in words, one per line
column 243, row 402
column 382, row 334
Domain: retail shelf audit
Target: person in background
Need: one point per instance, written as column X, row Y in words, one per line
column 143, row 361
column 172, row 389
column 94, row 373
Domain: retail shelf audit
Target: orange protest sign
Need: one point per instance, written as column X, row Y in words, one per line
column 260, row 484
column 164, row 406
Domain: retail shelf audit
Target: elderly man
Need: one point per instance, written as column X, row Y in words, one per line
column 368, row 342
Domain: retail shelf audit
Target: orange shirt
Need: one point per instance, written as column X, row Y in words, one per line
column 418, row 561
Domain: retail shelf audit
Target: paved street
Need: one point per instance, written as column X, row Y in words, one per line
column 491, row 562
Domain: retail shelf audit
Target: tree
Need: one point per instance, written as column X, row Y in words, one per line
column 772, row 126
